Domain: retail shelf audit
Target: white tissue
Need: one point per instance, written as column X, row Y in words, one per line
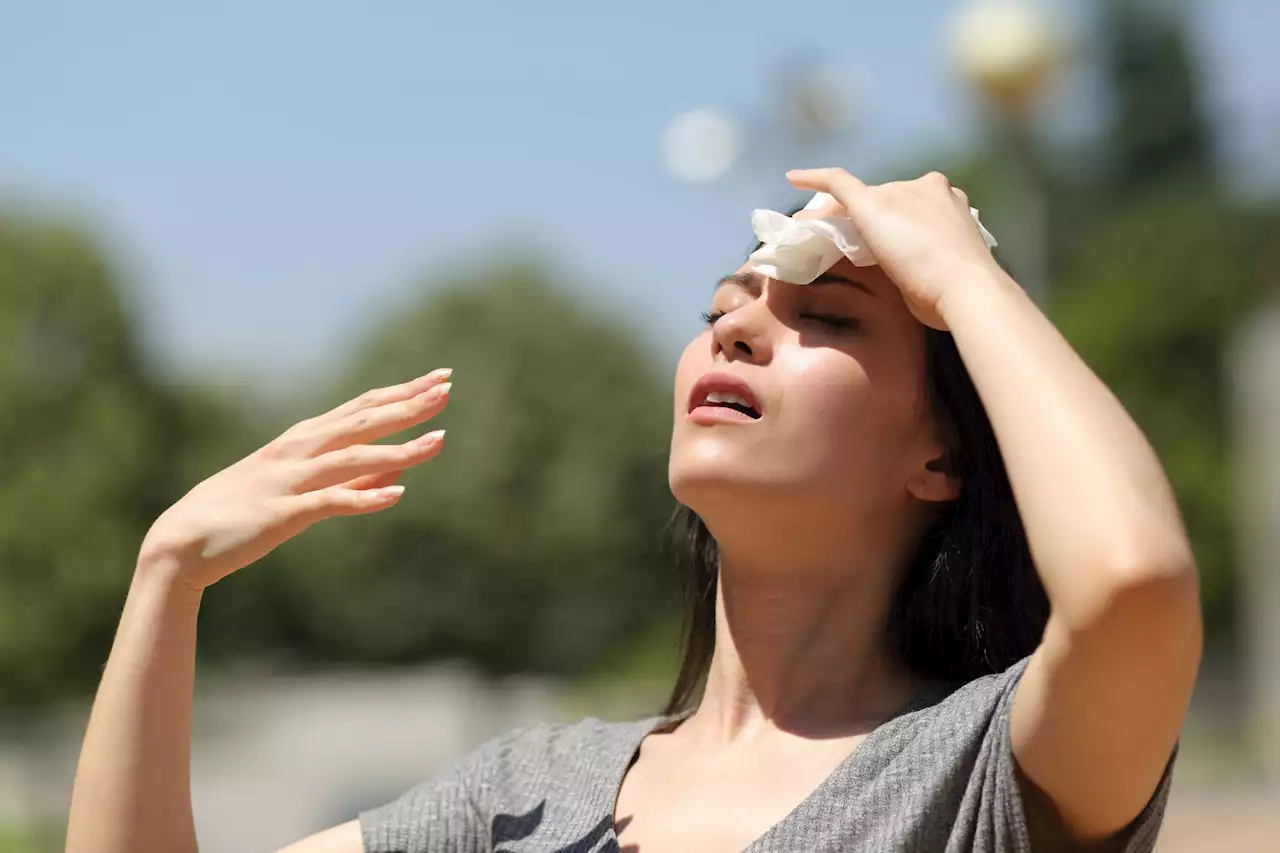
column 797, row 251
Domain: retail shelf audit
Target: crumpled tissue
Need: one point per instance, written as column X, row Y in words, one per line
column 797, row 251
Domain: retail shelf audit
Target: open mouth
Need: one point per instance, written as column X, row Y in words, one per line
column 726, row 392
column 731, row 401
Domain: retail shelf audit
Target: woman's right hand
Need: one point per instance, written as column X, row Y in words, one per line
column 320, row 467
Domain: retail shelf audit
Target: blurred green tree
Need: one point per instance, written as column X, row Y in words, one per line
column 1158, row 129
column 1159, row 271
column 1154, row 266
column 533, row 542
column 1151, row 299
column 95, row 447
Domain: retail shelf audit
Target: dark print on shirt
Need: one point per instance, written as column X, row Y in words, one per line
column 507, row 827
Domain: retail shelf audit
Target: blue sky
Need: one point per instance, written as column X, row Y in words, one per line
column 269, row 175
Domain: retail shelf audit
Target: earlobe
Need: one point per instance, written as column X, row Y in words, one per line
column 935, row 483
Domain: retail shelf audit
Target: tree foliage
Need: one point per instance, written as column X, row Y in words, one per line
column 533, row 540
column 1158, row 128
column 1152, row 300
column 1154, row 267
column 91, row 446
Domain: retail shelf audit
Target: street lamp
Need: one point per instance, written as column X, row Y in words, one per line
column 1008, row 51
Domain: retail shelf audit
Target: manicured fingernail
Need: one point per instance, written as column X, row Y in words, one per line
column 442, row 390
column 433, row 437
column 391, row 491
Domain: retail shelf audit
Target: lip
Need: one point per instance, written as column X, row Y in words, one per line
column 725, row 383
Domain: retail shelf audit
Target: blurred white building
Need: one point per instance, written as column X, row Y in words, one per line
column 277, row 758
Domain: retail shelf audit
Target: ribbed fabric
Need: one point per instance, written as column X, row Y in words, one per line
column 938, row 778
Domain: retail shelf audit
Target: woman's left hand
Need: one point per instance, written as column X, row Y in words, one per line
column 921, row 233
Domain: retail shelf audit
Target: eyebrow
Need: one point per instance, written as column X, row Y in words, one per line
column 754, row 281
column 831, row 278
column 748, row 280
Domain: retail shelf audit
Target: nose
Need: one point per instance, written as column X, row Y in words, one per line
column 745, row 333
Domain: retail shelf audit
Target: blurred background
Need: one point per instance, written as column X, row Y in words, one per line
column 215, row 222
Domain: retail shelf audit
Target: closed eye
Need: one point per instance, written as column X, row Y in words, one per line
column 830, row 321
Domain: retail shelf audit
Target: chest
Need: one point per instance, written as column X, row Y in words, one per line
column 671, row 800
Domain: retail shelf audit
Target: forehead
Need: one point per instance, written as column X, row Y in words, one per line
column 873, row 277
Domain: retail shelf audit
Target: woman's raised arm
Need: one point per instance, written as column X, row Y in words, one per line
column 132, row 787
column 1097, row 712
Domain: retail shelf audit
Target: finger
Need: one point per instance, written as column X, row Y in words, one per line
column 366, row 426
column 961, row 194
column 374, row 481
column 325, row 503
column 838, row 183
column 937, row 178
column 828, row 209
column 382, row 396
column 364, row 460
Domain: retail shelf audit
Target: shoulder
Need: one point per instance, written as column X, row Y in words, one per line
column 951, row 762
column 963, row 713
column 556, row 779
column 547, row 775
column 934, row 777
column 558, row 745
column 549, row 760
column 982, row 699
column 949, row 739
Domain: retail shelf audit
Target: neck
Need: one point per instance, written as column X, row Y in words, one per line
column 801, row 638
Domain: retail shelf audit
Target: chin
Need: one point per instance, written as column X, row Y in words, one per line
column 703, row 480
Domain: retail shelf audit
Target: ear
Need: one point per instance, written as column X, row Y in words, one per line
column 936, row 481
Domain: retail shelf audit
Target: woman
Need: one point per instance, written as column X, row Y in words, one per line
column 858, row 553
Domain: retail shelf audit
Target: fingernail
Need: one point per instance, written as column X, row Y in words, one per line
column 442, row 390
column 391, row 491
column 434, row 436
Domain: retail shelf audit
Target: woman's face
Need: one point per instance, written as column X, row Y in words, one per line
column 834, row 371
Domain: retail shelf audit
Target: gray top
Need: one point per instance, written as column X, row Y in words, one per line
column 938, row 777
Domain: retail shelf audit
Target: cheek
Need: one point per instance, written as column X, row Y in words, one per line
column 852, row 416
column 824, row 392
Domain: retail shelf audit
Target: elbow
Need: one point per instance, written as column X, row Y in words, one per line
column 1149, row 592
column 1165, row 569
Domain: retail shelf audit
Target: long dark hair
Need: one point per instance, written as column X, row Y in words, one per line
column 969, row 603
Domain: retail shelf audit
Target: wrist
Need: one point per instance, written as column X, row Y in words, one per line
column 977, row 287
column 161, row 572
